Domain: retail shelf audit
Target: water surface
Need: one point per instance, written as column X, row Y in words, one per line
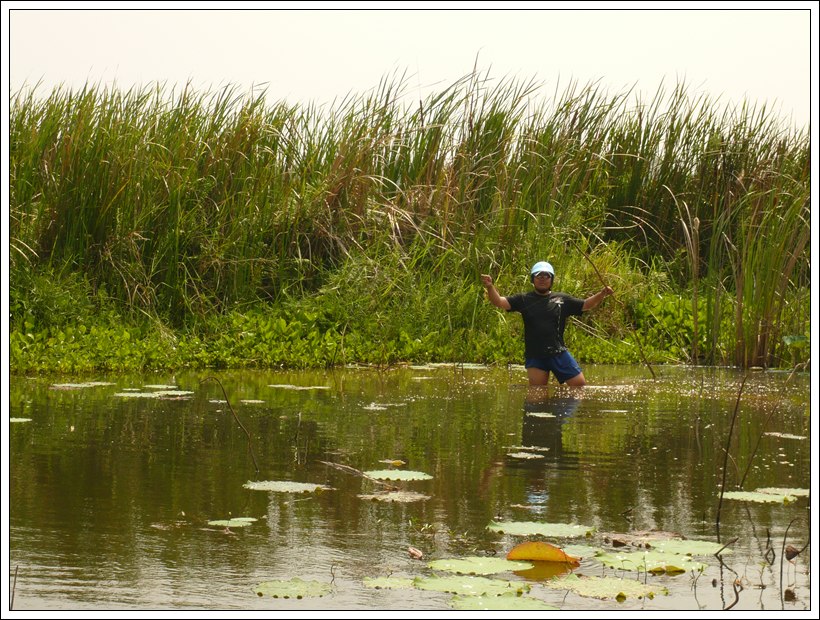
column 110, row 496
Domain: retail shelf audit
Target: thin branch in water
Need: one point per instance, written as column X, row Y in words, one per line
column 731, row 542
column 13, row 588
column 726, row 455
column 236, row 417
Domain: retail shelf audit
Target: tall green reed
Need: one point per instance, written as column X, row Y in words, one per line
column 184, row 203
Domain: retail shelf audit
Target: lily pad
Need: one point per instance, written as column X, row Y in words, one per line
column 756, row 496
column 529, row 448
column 251, row 401
column 690, row 547
column 540, row 414
column 396, row 496
column 603, row 587
column 159, row 387
column 293, row 588
column 779, row 491
column 388, row 583
column 138, row 394
column 503, row 602
column 581, row 551
column 478, row 565
column 474, row 586
column 287, row 386
column 531, row 528
column 19, row 419
column 285, row 486
column 393, row 462
column 78, row 386
column 235, row 522
column 525, row 455
column 542, row 551
column 786, row 435
column 655, row 562
column 395, row 474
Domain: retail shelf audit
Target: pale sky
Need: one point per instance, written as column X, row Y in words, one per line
column 318, row 55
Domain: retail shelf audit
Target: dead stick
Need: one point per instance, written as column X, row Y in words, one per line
column 634, row 331
column 726, row 456
column 235, row 417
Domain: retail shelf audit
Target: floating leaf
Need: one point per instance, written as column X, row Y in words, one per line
column 475, row 586
column 159, row 387
column 287, row 386
column 525, row 455
column 531, row 528
column 388, row 583
column 690, row 547
column 395, row 474
column 785, row 436
column 603, row 587
column 540, row 414
column 509, row 601
column 581, row 551
column 779, row 491
column 655, row 562
column 393, row 462
column 374, row 407
column 283, row 486
column 235, row 522
column 19, row 419
column 396, row 496
column 78, row 386
column 138, row 394
column 541, row 551
column 529, row 448
column 642, row 538
column 478, row 565
column 251, row 401
column 754, row 496
column 293, row 588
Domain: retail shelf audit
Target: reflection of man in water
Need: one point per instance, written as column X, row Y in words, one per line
column 544, row 415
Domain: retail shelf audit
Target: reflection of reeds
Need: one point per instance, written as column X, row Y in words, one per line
column 184, row 203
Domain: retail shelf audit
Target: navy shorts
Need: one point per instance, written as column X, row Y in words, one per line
column 563, row 365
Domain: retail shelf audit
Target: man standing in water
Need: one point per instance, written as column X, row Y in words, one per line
column 545, row 317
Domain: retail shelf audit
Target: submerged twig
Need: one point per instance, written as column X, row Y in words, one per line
column 726, row 455
column 782, row 554
column 634, row 330
column 238, row 421
column 731, row 542
column 13, row 588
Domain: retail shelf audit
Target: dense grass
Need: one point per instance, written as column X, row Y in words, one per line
column 185, row 209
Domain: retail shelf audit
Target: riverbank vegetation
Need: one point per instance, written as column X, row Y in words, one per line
column 162, row 228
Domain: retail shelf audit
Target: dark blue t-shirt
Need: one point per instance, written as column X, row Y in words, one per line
column 545, row 317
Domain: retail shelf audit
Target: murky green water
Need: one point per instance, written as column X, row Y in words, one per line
column 110, row 496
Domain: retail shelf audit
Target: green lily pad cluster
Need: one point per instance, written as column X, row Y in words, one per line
column 285, row 486
column 478, row 565
column 235, row 522
column 604, row 587
column 532, row 528
column 396, row 474
column 293, row 588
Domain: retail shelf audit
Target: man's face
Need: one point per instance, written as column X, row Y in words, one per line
column 542, row 282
